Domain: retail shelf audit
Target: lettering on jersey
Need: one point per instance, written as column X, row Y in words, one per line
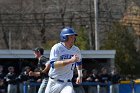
column 66, row 56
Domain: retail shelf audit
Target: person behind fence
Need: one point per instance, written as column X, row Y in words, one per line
column 77, row 87
column 24, row 78
column 2, row 80
column 31, row 80
column 115, row 78
column 84, row 79
column 42, row 69
column 104, row 79
column 93, row 77
column 11, row 79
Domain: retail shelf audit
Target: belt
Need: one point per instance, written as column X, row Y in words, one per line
column 59, row 80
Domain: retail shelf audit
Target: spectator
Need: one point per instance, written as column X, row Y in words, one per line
column 93, row 78
column 2, row 80
column 77, row 88
column 115, row 78
column 24, row 77
column 32, row 88
column 104, row 79
column 84, row 79
column 11, row 79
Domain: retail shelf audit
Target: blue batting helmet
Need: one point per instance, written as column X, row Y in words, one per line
column 66, row 32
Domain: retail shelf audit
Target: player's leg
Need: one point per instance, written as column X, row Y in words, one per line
column 53, row 86
column 68, row 88
column 43, row 86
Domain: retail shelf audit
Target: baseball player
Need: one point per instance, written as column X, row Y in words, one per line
column 64, row 57
column 43, row 68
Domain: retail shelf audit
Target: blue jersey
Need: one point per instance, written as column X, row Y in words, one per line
column 60, row 52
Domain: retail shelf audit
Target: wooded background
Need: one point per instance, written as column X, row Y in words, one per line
column 26, row 24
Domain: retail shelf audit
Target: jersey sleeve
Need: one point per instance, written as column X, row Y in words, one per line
column 54, row 55
column 48, row 62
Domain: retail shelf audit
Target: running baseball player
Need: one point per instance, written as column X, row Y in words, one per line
column 64, row 57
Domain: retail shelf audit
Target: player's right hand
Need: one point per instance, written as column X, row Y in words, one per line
column 75, row 58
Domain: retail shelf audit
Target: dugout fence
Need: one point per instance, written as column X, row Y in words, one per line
column 130, row 87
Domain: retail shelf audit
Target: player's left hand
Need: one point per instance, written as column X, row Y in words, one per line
column 79, row 80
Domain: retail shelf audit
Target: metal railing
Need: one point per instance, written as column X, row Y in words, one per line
column 123, row 88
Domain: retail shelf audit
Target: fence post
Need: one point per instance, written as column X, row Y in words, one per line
column 98, row 88
column 25, row 87
column 110, row 88
column 132, row 86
